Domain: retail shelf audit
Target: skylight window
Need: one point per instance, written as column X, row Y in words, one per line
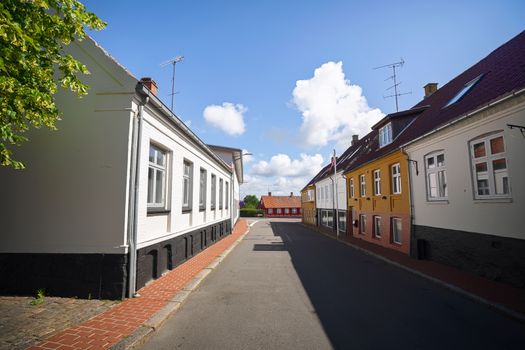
column 468, row 86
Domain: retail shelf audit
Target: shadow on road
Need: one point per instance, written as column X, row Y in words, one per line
column 365, row 303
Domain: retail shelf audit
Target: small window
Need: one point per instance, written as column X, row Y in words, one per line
column 377, row 182
column 202, row 189
column 270, row 211
column 294, row 210
column 157, row 178
column 396, row 178
column 220, row 194
column 362, row 224
column 436, row 175
column 396, row 230
column 377, row 226
column 286, row 211
column 341, row 217
column 352, row 190
column 362, row 181
column 464, row 90
column 489, row 167
column 385, row 135
column 187, row 180
column 279, row 211
column 226, row 185
column 213, row 192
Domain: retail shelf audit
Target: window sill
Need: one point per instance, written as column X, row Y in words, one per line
column 202, row 209
column 492, row 200
column 186, row 210
column 438, row 202
column 158, row 211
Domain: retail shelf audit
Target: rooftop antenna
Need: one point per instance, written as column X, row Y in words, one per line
column 172, row 61
column 396, row 94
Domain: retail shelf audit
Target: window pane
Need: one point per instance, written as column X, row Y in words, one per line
column 442, row 176
column 430, row 163
column 496, row 145
column 440, row 160
column 151, row 177
column 396, row 230
column 482, row 179
column 160, row 158
column 481, row 167
column 432, row 185
column 152, row 154
column 479, row 150
column 186, row 193
column 159, row 187
column 499, row 164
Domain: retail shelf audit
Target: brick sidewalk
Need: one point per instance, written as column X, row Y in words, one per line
column 108, row 328
column 504, row 297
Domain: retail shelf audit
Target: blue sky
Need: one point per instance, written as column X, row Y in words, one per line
column 247, row 80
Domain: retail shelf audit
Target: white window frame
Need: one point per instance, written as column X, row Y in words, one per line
column 278, row 211
column 362, row 224
column 362, row 185
column 488, row 159
column 203, row 179
column 395, row 171
column 438, row 172
column 187, row 185
column 155, row 167
column 385, row 135
column 226, row 194
column 287, row 210
column 396, row 234
column 221, row 189
column 213, row 192
column 352, row 188
column 294, row 210
column 377, row 230
column 377, row 182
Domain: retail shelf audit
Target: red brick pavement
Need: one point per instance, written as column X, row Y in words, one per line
column 108, row 328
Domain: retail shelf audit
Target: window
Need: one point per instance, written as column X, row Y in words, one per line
column 278, row 210
column 396, row 179
column 213, row 191
column 468, row 86
column 324, row 218
column 436, row 176
column 352, row 190
column 294, row 210
column 330, row 218
column 377, row 226
column 187, row 180
column 377, row 182
column 202, row 189
column 220, row 194
column 270, row 211
column 362, row 182
column 341, row 217
column 385, row 135
column 287, row 211
column 157, row 178
column 489, row 167
column 396, row 230
column 362, row 224
column 310, row 195
column 226, row 184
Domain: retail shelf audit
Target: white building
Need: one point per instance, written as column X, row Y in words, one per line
column 468, row 188
column 122, row 192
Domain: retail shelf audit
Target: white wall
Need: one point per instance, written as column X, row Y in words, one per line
column 327, row 200
column 158, row 227
column 71, row 198
column 461, row 211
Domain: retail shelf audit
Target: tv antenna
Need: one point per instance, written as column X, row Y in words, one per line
column 172, row 61
column 396, row 94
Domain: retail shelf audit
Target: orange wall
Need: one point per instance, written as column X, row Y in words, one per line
column 386, row 205
column 308, row 207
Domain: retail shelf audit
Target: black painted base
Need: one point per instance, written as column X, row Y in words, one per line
column 497, row 258
column 98, row 276
column 154, row 260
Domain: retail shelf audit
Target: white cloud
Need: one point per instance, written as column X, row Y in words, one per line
column 282, row 165
column 247, row 157
column 279, row 186
column 228, row 117
column 332, row 108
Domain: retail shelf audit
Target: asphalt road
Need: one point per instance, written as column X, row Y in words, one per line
column 287, row 287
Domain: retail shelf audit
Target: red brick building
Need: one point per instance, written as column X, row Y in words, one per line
column 281, row 206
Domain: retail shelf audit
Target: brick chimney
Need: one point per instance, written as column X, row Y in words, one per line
column 355, row 138
column 150, row 84
column 430, row 88
column 291, row 194
column 269, row 194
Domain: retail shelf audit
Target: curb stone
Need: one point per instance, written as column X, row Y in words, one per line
column 496, row 306
column 141, row 334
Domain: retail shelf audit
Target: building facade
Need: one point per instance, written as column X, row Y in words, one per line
column 281, row 206
column 308, row 205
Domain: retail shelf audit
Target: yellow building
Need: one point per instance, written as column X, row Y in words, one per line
column 308, row 205
column 378, row 185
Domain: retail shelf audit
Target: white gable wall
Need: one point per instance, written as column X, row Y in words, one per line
column 326, row 201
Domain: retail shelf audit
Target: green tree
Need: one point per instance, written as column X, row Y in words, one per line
column 251, row 201
column 33, row 34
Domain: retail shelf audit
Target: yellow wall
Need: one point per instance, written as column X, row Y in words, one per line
column 386, row 205
column 308, row 207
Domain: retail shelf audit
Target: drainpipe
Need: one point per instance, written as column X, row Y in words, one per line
column 410, row 185
column 230, row 204
column 134, row 191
